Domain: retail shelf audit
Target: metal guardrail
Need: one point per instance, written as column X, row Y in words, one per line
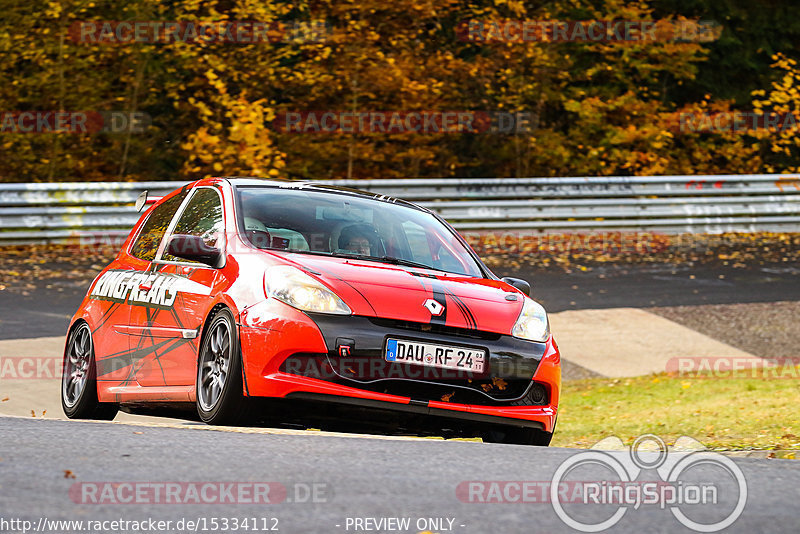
column 57, row 212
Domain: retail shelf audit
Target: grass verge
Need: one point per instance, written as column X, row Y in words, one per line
column 733, row 412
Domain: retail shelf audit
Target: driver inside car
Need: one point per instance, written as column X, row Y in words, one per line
column 356, row 239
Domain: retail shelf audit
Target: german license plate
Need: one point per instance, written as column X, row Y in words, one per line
column 435, row 355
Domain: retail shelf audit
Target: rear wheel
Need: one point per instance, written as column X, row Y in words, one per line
column 79, row 379
column 220, row 397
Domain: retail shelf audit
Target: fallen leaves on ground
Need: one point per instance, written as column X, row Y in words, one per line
column 26, row 267
column 582, row 252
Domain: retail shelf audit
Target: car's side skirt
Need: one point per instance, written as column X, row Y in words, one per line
column 111, row 393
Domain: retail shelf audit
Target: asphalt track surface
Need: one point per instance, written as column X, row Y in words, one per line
column 367, row 477
column 46, row 312
column 355, row 477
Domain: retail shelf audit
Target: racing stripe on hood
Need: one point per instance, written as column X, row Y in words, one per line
column 462, row 306
column 439, row 295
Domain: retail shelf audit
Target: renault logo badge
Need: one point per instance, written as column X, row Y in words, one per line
column 435, row 307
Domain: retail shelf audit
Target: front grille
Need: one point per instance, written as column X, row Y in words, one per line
column 435, row 329
column 457, row 393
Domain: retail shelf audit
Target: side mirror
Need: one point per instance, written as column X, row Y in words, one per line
column 193, row 248
column 519, row 283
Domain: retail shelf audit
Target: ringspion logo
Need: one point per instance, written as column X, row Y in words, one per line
column 694, row 486
column 593, row 490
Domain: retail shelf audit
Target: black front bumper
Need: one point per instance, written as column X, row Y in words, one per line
column 419, row 414
column 507, row 380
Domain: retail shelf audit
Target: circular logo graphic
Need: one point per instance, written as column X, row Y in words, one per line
column 648, row 452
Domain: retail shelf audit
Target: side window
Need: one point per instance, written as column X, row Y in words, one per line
column 155, row 226
column 202, row 217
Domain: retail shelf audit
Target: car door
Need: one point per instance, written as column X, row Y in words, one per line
column 116, row 361
column 176, row 296
column 110, row 311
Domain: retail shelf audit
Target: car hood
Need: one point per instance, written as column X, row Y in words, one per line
column 387, row 291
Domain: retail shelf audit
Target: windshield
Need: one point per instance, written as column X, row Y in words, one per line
column 315, row 222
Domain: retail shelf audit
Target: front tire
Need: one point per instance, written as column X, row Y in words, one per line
column 79, row 379
column 219, row 388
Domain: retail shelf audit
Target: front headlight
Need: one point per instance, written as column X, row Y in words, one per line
column 297, row 289
column 532, row 324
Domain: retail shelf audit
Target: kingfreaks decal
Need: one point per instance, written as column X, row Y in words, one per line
column 122, row 286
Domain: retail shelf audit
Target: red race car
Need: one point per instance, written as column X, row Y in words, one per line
column 330, row 302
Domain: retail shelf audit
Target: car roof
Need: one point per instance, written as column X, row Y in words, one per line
column 279, row 183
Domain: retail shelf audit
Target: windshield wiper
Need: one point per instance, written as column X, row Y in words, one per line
column 385, row 259
column 406, row 263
